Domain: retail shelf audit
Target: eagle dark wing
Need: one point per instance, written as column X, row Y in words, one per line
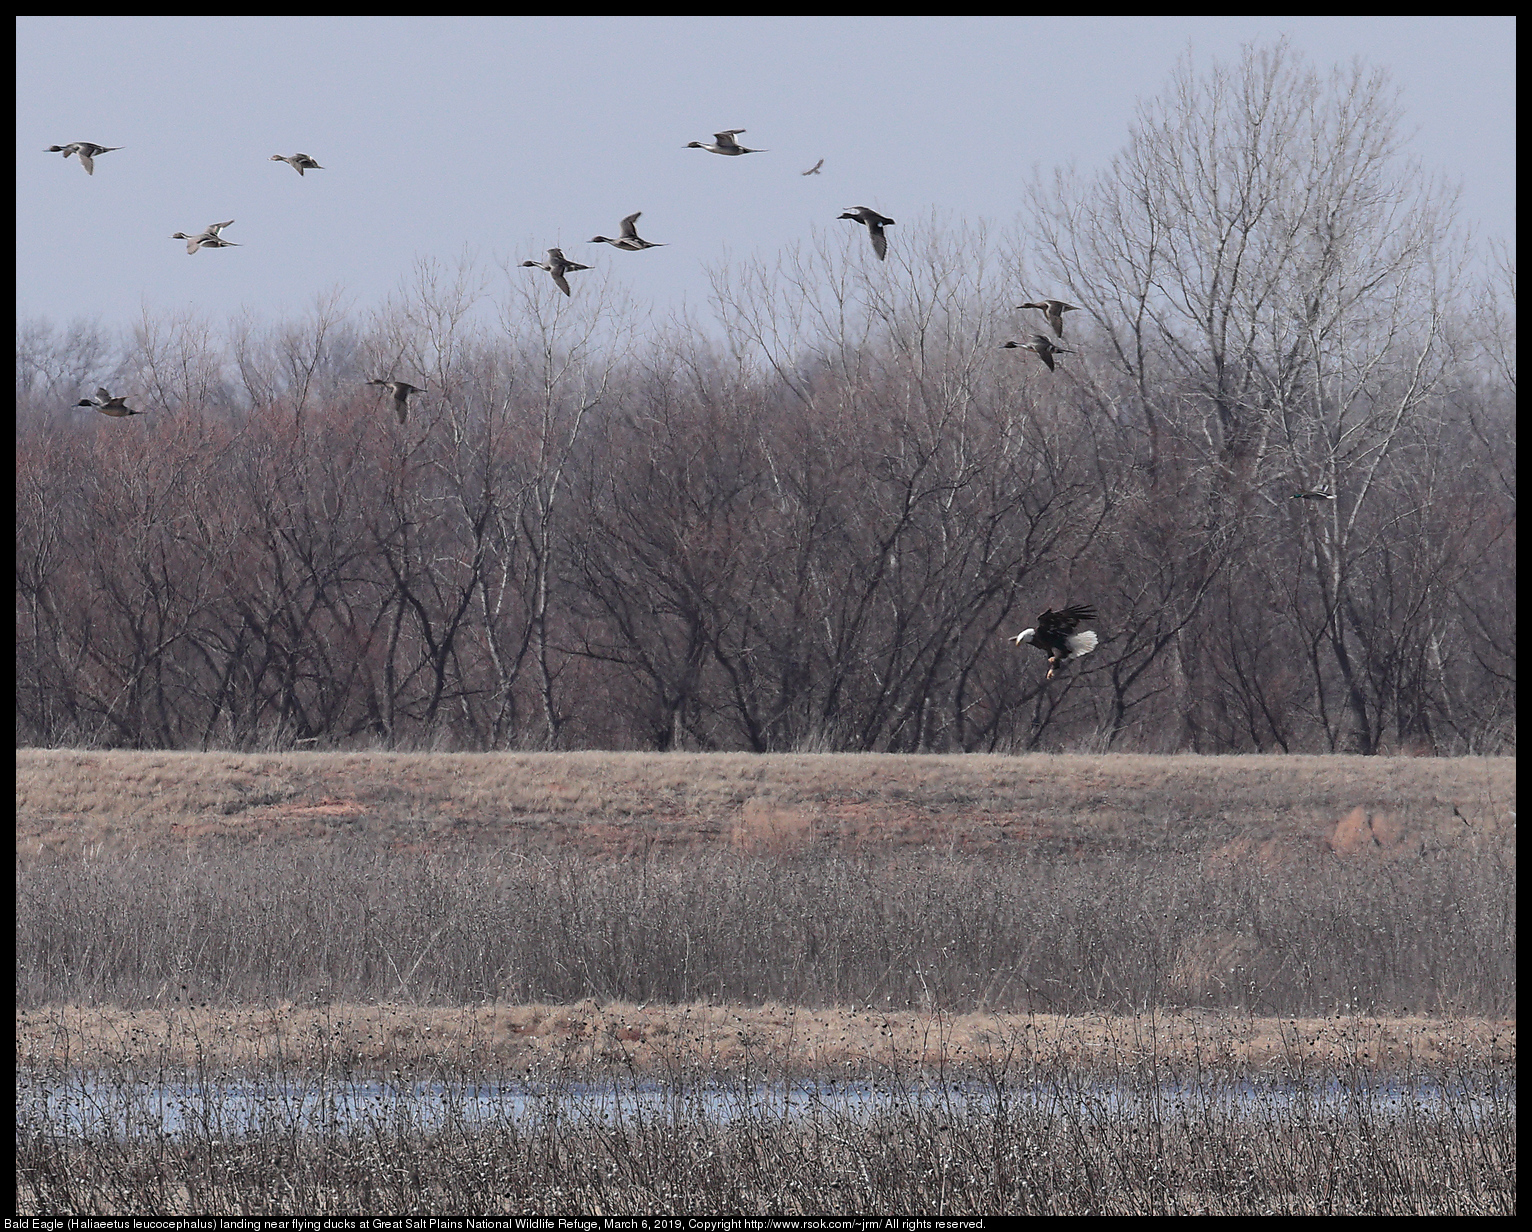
column 1056, row 626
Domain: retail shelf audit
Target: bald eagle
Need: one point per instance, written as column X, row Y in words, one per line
column 1055, row 633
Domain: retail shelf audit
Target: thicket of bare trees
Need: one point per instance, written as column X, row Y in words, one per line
column 811, row 527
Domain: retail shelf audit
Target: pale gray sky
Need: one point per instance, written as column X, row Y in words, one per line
column 506, row 135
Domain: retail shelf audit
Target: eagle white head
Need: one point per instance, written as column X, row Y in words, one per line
column 1026, row 635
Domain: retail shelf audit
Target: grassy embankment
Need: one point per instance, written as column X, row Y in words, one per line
column 574, row 918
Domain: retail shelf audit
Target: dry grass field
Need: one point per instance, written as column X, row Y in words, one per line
column 1075, row 939
column 726, row 1039
column 1037, row 884
column 619, row 803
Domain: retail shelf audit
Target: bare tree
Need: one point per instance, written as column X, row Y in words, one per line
column 178, row 361
column 52, row 364
column 292, row 358
column 816, row 531
column 572, row 351
column 1273, row 278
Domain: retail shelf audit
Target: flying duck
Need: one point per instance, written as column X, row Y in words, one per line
column 875, row 223
column 629, row 238
column 117, row 408
column 558, row 265
column 401, row 391
column 87, row 150
column 207, row 238
column 1054, row 310
column 724, row 143
column 298, row 162
column 1313, row 494
column 1055, row 633
column 1040, row 344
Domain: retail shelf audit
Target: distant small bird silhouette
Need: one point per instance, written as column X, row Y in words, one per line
column 1054, row 310
column 1313, row 494
column 1040, row 345
column 207, row 238
column 558, row 265
column 814, row 170
column 401, row 390
column 297, row 162
column 87, row 151
column 628, row 237
column 875, row 222
column 724, row 143
column 117, row 408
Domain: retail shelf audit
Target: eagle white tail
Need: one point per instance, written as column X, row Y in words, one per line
column 1082, row 643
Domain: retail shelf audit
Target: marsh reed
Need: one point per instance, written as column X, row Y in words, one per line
column 1312, row 933
column 300, row 979
column 1021, row 1127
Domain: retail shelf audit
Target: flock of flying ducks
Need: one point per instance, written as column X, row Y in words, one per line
column 558, row 265
column 1056, row 633
column 211, row 237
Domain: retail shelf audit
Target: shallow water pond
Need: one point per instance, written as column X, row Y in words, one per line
column 92, row 1104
